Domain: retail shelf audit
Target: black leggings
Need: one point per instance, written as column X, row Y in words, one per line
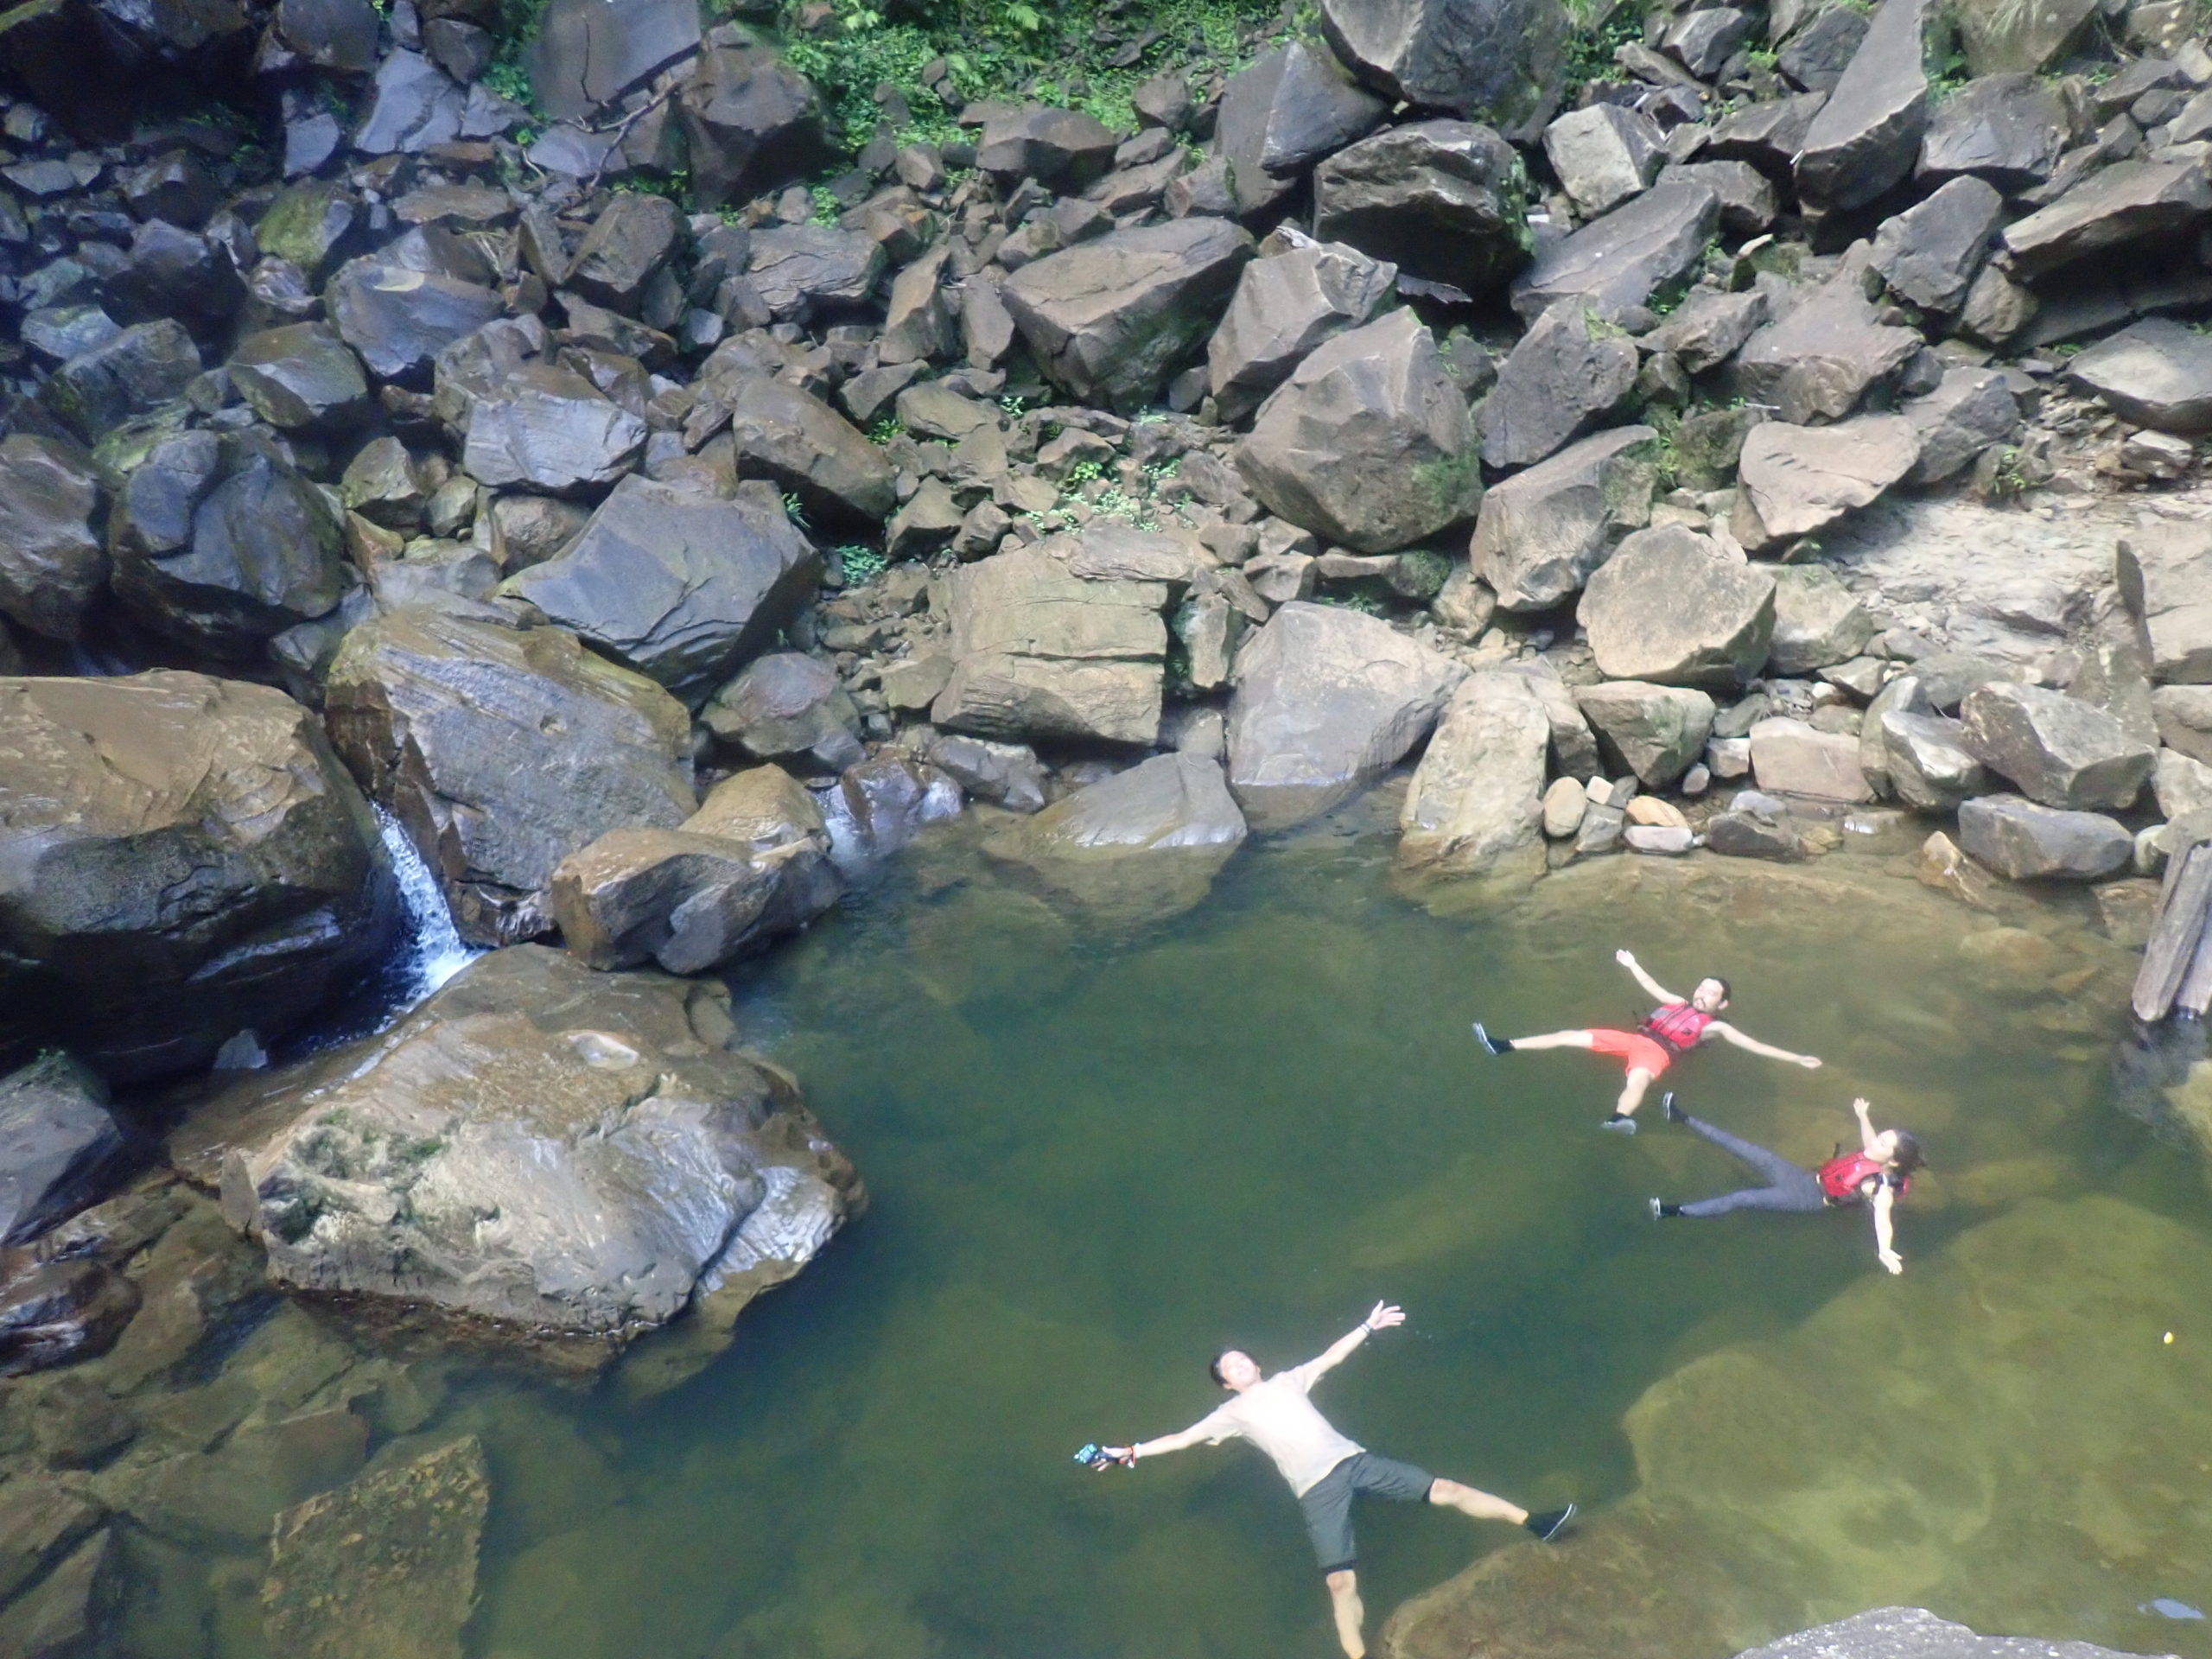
column 1789, row 1186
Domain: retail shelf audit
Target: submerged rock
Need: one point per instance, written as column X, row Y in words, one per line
column 58, row 1142
column 1147, row 842
column 1915, row 1633
column 182, row 858
column 635, row 1165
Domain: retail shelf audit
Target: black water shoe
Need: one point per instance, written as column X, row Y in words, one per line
column 1551, row 1523
column 1662, row 1211
column 1675, row 1114
column 1492, row 1044
column 1620, row 1124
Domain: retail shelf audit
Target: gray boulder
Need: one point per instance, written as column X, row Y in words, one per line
column 1914, row 1633
column 1568, row 372
column 1064, row 149
column 1625, row 258
column 1765, row 134
column 502, row 751
column 1368, row 443
column 751, row 123
column 1709, row 328
column 808, row 448
column 299, row 377
column 306, row 224
column 1820, row 359
column 1818, row 622
column 1440, row 200
column 53, row 563
column 2183, row 716
column 1704, row 41
column 548, row 429
column 138, row 370
column 1673, row 608
column 1817, row 54
column 220, row 543
column 683, row 587
column 183, row 859
column 398, row 320
column 1475, row 806
column 1866, row 136
column 1543, row 531
column 2008, row 130
column 1287, row 110
column 637, row 1167
column 413, row 104
column 2165, row 573
column 1925, row 762
column 2155, row 373
column 2181, row 786
column 1998, row 37
column 1604, row 154
column 787, row 704
column 2145, row 196
column 2025, row 842
column 1749, row 204
column 1110, row 320
column 1323, row 700
column 885, row 802
column 1041, row 652
column 2058, row 750
column 1795, row 759
column 1285, row 305
column 798, row 269
column 1501, row 62
column 1005, row 774
column 1657, row 732
column 1144, row 843
column 632, row 238
column 1971, row 409
column 1929, row 254
column 175, row 273
column 1796, row 481
column 59, row 1144
column 590, row 52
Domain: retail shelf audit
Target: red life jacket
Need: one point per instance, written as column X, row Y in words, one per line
column 1677, row 1024
column 1844, row 1174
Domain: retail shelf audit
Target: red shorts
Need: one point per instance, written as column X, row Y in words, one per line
column 1642, row 1053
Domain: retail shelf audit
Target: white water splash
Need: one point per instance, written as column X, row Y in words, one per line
column 431, row 952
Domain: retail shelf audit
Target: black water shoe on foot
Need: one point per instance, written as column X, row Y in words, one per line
column 1620, row 1124
column 1550, row 1524
column 1675, row 1114
column 1493, row 1044
column 1662, row 1211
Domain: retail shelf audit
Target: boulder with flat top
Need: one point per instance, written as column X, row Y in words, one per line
column 1476, row 805
column 1543, row 531
column 1675, row 607
column 2060, row 750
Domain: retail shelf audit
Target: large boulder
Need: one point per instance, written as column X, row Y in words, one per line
column 807, row 447
column 1676, row 608
column 1969, row 410
column 633, row 237
column 58, row 1142
column 2059, row 750
column 1997, row 37
column 549, row 428
column 683, row 587
column 1475, row 807
column 1820, row 360
column 1064, row 149
column 1440, row 200
column 1929, row 254
column 53, row 561
column 798, row 269
column 1543, row 531
column 1867, row 135
column 1818, row 622
column 1915, row 1633
column 1144, row 843
column 1502, row 61
column 399, row 320
column 752, row 123
column 182, row 858
column 299, row 377
column 1657, row 732
column 2025, row 841
column 1323, row 700
column 127, row 374
column 787, row 704
column 1287, row 110
column 1793, row 758
column 1796, row 481
column 1628, row 256
column 1041, row 651
column 1605, row 154
column 1567, row 374
column 1925, row 761
column 1110, row 319
column 590, row 52
column 2155, row 194
column 2157, row 372
column 1285, row 305
column 2183, row 714
column 636, row 1166
column 219, row 542
column 2165, row 572
column 1368, row 443
column 2008, row 130
column 501, row 751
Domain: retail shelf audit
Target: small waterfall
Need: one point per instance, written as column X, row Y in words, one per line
column 430, row 951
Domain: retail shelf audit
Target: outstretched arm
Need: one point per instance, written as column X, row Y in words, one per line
column 1867, row 1131
column 1166, row 1443
column 1652, row 987
column 1884, row 1236
column 1727, row 1033
column 1380, row 1317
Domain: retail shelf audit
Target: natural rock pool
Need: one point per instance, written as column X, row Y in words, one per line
column 1097, row 1152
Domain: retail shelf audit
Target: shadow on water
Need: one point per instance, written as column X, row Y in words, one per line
column 1096, row 1158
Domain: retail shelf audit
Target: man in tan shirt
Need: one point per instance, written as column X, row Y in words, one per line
column 1325, row 1469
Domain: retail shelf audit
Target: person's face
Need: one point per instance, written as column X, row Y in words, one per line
column 1710, row 997
column 1239, row 1370
column 1886, row 1146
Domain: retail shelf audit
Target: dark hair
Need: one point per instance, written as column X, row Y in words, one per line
column 1908, row 1156
column 1213, row 1368
column 1725, row 995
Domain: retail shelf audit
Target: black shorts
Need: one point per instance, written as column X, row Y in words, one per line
column 1327, row 1502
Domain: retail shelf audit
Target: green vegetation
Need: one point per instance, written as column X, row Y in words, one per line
column 1597, row 37
column 796, row 511
column 1082, row 472
column 887, row 427
column 860, row 563
column 826, row 205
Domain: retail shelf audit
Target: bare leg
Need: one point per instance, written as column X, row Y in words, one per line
column 1554, row 1039
column 1632, row 1092
column 1344, row 1602
column 1481, row 1505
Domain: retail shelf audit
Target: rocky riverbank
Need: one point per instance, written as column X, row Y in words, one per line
column 1697, row 432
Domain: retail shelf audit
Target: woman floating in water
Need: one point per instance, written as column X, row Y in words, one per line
column 1676, row 1026
column 1877, row 1175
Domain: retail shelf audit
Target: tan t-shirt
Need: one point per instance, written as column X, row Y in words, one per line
column 1276, row 1416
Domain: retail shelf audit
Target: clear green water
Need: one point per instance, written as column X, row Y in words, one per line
column 1095, row 1158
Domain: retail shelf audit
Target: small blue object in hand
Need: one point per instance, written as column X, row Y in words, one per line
column 1091, row 1455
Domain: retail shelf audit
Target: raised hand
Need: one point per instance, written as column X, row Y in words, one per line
column 1626, row 958
column 1383, row 1316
